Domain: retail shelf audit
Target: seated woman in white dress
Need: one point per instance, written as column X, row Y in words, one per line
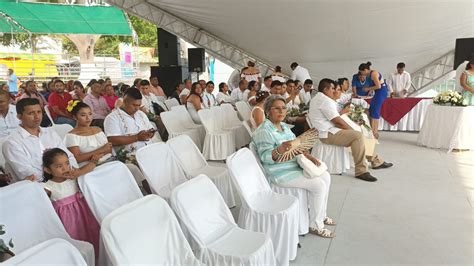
column 224, row 96
column 85, row 142
column 194, row 102
column 257, row 116
column 272, row 139
column 251, row 92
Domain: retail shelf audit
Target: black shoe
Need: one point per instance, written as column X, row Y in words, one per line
column 367, row 177
column 383, row 165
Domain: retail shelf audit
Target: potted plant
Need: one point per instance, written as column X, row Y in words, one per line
column 5, row 252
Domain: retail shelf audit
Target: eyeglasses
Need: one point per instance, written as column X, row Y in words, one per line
column 279, row 109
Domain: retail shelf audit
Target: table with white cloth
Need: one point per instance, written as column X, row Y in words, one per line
column 448, row 127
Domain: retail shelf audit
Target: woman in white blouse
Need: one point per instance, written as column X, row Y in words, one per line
column 194, row 102
column 224, row 96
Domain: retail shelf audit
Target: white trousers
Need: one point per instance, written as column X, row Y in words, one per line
column 318, row 189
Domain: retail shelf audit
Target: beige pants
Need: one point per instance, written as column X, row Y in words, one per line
column 355, row 140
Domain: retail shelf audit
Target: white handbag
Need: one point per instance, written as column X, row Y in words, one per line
column 311, row 170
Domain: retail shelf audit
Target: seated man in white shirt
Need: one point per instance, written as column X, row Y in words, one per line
column 305, row 93
column 152, row 107
column 128, row 127
column 238, row 94
column 8, row 120
column 299, row 73
column 399, row 82
column 333, row 130
column 208, row 98
column 183, row 95
column 23, row 149
column 267, row 83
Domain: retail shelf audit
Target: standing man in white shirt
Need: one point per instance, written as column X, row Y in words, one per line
column 208, row 98
column 267, row 83
column 8, row 119
column 23, row 149
column 305, row 93
column 299, row 73
column 333, row 130
column 399, row 82
column 183, row 95
column 238, row 94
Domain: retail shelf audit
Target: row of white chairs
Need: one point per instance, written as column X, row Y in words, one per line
column 179, row 122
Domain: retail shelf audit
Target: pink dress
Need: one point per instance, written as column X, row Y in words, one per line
column 74, row 212
column 111, row 100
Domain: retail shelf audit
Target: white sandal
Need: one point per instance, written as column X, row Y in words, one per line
column 322, row 233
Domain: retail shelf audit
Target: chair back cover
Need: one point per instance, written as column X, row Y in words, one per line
column 161, row 168
column 171, row 122
column 62, row 129
column 48, row 114
column 108, row 187
column 187, row 154
column 156, row 240
column 244, row 110
column 171, row 102
column 29, row 218
column 2, row 158
column 211, row 120
column 200, row 207
column 183, row 114
column 230, row 116
column 248, row 127
column 55, row 251
column 247, row 174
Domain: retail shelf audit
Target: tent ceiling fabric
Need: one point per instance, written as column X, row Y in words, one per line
column 332, row 37
column 65, row 19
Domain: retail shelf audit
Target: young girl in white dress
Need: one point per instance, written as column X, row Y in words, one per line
column 257, row 116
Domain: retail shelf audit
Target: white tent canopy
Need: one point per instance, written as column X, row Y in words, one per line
column 329, row 37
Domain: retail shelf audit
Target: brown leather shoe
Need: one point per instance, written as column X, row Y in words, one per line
column 367, row 177
column 383, row 165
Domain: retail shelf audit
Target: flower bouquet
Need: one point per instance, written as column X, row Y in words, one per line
column 356, row 114
column 126, row 156
column 449, row 97
column 5, row 252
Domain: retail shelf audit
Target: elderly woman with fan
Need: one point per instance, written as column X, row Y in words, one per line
column 287, row 162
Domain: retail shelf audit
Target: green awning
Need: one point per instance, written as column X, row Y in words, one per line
column 64, row 19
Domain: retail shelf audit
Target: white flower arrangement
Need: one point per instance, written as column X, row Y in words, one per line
column 449, row 98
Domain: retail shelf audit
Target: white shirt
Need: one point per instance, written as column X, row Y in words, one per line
column 147, row 102
column 222, row 97
column 245, row 95
column 184, row 92
column 305, row 96
column 119, row 123
column 321, row 110
column 264, row 88
column 208, row 100
column 23, row 152
column 9, row 123
column 237, row 95
column 300, row 73
column 399, row 82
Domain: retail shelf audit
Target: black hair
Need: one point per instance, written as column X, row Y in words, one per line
column 278, row 69
column 275, row 83
column 250, row 63
column 261, row 96
column 77, row 83
column 193, row 90
column 251, row 84
column 308, row 82
column 136, row 81
column 48, row 160
column 365, row 66
column 92, row 82
column 290, row 81
column 144, row 82
column 177, row 84
column 470, row 64
column 324, row 83
column 293, row 65
column 124, row 88
column 221, row 86
column 58, row 80
column 209, row 83
column 153, row 76
column 78, row 107
column 401, row 65
column 242, row 81
column 267, row 78
column 340, row 81
column 133, row 93
column 186, row 80
column 23, row 103
column 5, row 93
column 101, row 81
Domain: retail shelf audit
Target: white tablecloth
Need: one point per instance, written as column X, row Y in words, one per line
column 448, row 127
column 412, row 121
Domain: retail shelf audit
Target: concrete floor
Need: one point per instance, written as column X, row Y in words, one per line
column 419, row 212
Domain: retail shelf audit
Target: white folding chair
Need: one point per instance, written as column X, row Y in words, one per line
column 244, row 110
column 215, row 236
column 2, row 158
column 62, row 129
column 156, row 240
column 48, row 113
column 171, row 102
column 248, row 127
column 193, row 164
column 29, row 218
column 218, row 143
column 108, row 187
column 176, row 127
column 161, row 168
column 231, row 122
column 186, row 119
column 299, row 193
column 55, row 251
column 263, row 210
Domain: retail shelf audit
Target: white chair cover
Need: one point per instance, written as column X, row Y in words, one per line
column 2, row 158
column 176, row 127
column 244, row 110
column 231, row 122
column 263, row 210
column 157, row 240
column 53, row 252
column 218, row 143
column 171, row 102
column 215, row 236
column 48, row 113
column 248, row 127
column 108, row 187
column 299, row 193
column 337, row 158
column 184, row 116
column 161, row 169
column 29, row 218
column 193, row 164
column 62, row 129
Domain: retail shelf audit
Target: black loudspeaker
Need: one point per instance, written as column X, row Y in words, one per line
column 169, row 76
column 168, row 48
column 464, row 49
column 196, row 60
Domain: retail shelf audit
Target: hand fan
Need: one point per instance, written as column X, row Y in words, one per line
column 301, row 144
